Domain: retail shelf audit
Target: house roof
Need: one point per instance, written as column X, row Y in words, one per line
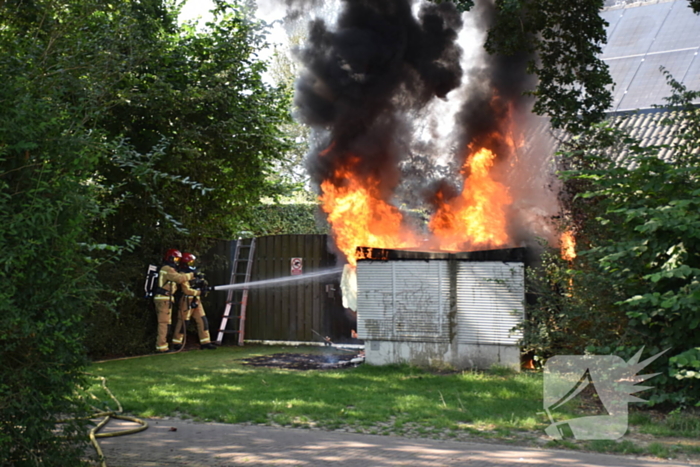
column 644, row 36
column 648, row 127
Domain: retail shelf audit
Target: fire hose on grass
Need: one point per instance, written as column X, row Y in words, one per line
column 108, row 415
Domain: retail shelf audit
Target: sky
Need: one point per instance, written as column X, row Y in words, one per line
column 196, row 8
column 268, row 10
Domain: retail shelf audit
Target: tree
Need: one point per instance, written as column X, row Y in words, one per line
column 284, row 70
column 117, row 126
column 286, row 219
column 200, row 97
column 200, row 135
column 48, row 273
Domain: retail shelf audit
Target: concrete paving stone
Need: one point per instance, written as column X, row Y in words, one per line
column 174, row 442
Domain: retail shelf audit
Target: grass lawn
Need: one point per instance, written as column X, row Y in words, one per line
column 395, row 400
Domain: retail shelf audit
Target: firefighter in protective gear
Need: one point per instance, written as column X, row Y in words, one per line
column 191, row 307
column 164, row 295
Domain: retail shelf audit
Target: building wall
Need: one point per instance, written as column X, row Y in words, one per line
column 439, row 355
column 441, row 312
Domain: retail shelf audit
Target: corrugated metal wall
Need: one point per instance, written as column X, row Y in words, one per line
column 438, row 301
column 490, row 303
column 403, row 300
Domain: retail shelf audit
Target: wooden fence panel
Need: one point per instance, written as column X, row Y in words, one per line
column 292, row 312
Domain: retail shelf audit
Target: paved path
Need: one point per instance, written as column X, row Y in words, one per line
column 184, row 443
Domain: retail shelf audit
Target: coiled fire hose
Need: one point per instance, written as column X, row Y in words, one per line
column 94, row 433
column 107, row 416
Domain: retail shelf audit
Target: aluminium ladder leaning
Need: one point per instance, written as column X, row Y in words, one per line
column 238, row 298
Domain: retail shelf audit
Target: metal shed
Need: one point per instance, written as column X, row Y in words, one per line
column 441, row 309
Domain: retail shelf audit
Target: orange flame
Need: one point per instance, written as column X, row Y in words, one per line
column 477, row 218
column 359, row 217
column 568, row 245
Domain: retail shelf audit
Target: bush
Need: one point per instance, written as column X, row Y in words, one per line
column 570, row 308
column 639, row 226
column 47, row 287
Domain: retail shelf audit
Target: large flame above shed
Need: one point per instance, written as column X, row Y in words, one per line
column 358, row 216
column 477, row 219
column 474, row 220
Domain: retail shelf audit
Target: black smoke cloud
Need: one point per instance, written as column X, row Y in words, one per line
column 363, row 76
column 495, row 96
column 368, row 75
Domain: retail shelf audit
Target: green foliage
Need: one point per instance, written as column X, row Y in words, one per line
column 695, row 5
column 47, row 286
column 686, row 365
column 196, row 137
column 286, row 219
column 565, row 39
column 47, row 274
column 641, row 236
column 568, row 309
column 198, row 100
column 196, row 134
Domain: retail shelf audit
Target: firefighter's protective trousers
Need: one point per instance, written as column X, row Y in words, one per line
column 168, row 279
column 187, row 311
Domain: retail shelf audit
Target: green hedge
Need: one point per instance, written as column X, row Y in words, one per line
column 287, row 219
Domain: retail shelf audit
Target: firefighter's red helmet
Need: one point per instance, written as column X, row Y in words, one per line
column 172, row 256
column 188, row 259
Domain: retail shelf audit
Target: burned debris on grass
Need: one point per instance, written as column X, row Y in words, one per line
column 302, row 361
